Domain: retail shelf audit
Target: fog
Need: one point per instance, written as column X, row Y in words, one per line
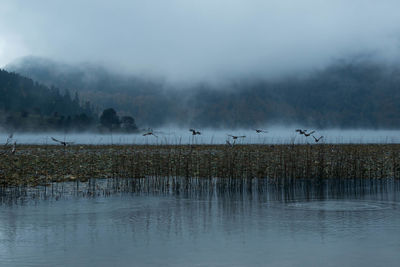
column 200, row 40
column 175, row 136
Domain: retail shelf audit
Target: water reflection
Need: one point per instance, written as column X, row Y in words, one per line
column 204, row 223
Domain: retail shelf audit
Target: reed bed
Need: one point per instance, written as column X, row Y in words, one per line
column 41, row 165
column 265, row 190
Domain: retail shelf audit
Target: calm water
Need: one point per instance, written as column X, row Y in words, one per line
column 333, row 224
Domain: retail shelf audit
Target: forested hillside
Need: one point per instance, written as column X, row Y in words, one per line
column 346, row 94
column 28, row 105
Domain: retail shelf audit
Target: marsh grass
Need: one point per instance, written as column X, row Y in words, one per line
column 42, row 165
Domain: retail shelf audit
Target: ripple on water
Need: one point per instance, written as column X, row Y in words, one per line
column 341, row 205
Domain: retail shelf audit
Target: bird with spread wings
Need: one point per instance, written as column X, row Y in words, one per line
column 317, row 139
column 62, row 142
column 235, row 137
column 194, row 132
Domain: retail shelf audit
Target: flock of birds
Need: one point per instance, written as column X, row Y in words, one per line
column 195, row 132
column 307, row 134
column 150, row 132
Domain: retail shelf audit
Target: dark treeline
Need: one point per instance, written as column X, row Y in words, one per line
column 26, row 105
column 346, row 94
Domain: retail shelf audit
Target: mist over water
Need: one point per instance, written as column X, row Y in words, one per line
column 226, row 63
column 175, row 136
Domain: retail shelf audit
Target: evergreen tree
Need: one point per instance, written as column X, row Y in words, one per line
column 128, row 123
column 109, row 119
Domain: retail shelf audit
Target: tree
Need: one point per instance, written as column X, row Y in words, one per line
column 109, row 119
column 128, row 123
column 81, row 122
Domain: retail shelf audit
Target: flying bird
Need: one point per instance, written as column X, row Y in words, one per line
column 317, row 139
column 194, row 132
column 62, row 142
column 234, row 137
column 304, row 132
column 260, row 131
column 308, row 134
column 149, row 133
column 300, row 131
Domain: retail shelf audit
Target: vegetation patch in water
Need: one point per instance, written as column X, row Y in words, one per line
column 33, row 165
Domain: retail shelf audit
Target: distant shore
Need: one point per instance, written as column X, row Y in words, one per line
column 34, row 165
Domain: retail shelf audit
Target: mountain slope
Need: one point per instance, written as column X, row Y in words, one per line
column 346, row 94
column 28, row 105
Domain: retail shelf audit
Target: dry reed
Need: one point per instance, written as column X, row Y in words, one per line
column 34, row 165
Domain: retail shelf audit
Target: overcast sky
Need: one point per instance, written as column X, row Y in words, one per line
column 197, row 39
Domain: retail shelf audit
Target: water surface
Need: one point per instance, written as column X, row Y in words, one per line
column 333, row 224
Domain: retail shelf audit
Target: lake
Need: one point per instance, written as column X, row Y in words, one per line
column 301, row 223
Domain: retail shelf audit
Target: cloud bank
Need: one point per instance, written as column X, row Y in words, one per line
column 196, row 40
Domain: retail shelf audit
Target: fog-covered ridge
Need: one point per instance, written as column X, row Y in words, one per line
column 197, row 40
column 355, row 92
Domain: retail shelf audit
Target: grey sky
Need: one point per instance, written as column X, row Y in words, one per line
column 196, row 39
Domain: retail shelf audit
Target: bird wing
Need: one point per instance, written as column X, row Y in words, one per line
column 55, row 140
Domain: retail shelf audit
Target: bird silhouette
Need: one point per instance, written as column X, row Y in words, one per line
column 194, row 132
column 300, row 131
column 150, row 133
column 304, row 132
column 62, row 142
column 234, row 137
column 260, row 131
column 308, row 134
column 317, row 139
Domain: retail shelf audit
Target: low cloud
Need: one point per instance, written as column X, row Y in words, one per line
column 196, row 40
